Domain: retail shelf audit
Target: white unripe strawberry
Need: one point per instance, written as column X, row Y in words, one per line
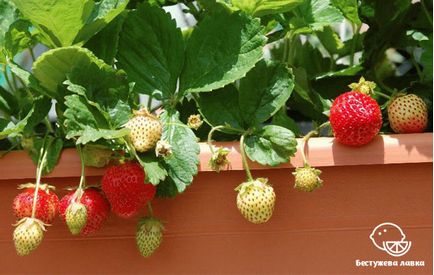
column 145, row 130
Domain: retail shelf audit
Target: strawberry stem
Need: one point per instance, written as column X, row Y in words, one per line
column 382, row 95
column 306, row 138
column 83, row 169
column 39, row 169
column 244, row 159
column 209, row 141
column 132, row 151
column 150, row 211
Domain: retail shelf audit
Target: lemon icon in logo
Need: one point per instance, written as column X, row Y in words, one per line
column 390, row 238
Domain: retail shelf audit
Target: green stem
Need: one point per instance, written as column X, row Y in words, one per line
column 244, row 159
column 285, row 48
column 383, row 86
column 39, row 169
column 209, row 140
column 8, row 81
column 382, row 95
column 132, row 151
column 150, row 211
column 14, row 82
column 306, row 138
column 291, row 52
column 83, row 169
column 416, row 65
column 48, row 125
column 150, row 103
column 32, row 54
column 425, row 10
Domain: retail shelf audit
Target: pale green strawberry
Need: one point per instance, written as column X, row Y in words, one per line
column 256, row 200
column 307, row 178
column 76, row 217
column 149, row 235
column 28, row 235
column 145, row 130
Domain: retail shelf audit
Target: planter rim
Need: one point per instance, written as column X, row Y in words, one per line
column 321, row 152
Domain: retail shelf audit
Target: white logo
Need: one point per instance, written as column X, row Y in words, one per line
column 390, row 238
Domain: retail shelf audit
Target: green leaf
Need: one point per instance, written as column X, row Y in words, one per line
column 103, row 13
column 42, row 105
column 330, row 40
column 18, row 38
column 349, row 71
column 222, row 107
column 271, row 145
column 12, row 129
column 222, row 49
column 53, row 153
column 387, row 22
column 90, row 134
column 154, row 61
column 29, row 80
column 314, row 15
column 416, row 35
column 183, row 163
column 265, row 7
column 8, row 14
column 52, row 66
column 310, row 59
column 8, row 103
column 105, row 43
column 304, row 99
column 426, row 59
column 54, row 147
column 103, row 84
column 167, row 189
column 349, row 9
column 58, row 20
column 120, row 114
column 283, row 120
column 81, row 116
column 69, row 22
column 352, row 45
column 263, row 91
column 154, row 169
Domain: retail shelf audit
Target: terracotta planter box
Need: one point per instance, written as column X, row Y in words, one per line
column 389, row 180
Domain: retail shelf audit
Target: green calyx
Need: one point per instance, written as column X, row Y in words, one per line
column 150, row 224
column 363, row 86
column 219, row 160
column 259, row 183
column 307, row 178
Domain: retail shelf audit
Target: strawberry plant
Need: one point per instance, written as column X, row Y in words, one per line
column 133, row 91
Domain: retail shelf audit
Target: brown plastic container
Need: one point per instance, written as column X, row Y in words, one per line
column 327, row 231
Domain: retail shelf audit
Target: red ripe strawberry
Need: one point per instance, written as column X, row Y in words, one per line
column 355, row 118
column 98, row 209
column 408, row 114
column 46, row 205
column 126, row 190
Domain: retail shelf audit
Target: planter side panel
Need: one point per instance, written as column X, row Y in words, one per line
column 323, row 231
